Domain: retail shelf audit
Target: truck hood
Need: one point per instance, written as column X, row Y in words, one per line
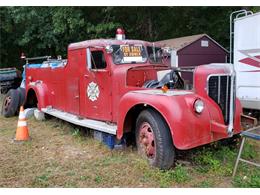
column 127, row 67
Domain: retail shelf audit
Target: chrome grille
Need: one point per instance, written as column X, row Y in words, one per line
column 219, row 90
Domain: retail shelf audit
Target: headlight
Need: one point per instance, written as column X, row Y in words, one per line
column 198, row 106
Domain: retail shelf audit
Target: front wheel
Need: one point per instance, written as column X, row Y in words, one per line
column 154, row 140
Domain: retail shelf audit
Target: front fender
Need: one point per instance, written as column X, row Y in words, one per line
column 188, row 129
column 41, row 92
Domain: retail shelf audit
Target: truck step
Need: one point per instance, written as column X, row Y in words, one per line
column 89, row 123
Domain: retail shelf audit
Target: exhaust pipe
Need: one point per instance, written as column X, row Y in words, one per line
column 232, row 101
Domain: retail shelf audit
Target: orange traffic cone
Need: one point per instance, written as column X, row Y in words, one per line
column 22, row 132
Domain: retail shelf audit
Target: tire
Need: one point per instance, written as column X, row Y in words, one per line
column 22, row 96
column 10, row 103
column 154, row 140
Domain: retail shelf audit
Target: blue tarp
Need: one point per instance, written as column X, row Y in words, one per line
column 34, row 65
column 50, row 64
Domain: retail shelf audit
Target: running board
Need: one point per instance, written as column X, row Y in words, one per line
column 89, row 123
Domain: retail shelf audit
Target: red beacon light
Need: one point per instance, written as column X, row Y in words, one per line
column 120, row 34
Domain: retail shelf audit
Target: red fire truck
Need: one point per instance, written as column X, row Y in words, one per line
column 120, row 86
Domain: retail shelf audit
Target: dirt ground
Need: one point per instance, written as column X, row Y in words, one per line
column 62, row 155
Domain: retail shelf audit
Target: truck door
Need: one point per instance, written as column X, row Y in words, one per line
column 96, row 96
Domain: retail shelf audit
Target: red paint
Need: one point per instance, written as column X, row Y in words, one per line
column 65, row 88
column 251, row 62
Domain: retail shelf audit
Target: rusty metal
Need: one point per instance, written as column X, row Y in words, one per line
column 248, row 121
column 146, row 140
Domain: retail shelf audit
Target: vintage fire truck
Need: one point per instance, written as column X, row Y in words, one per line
column 121, row 86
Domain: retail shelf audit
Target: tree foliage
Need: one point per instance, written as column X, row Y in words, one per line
column 40, row 31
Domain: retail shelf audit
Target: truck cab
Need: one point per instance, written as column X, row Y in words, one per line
column 120, row 86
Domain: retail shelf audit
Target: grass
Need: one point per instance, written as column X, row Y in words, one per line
column 251, row 181
column 204, row 184
column 41, row 181
column 216, row 161
column 219, row 162
column 168, row 178
column 62, row 155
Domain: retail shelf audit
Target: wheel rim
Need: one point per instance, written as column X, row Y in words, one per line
column 146, row 140
column 7, row 103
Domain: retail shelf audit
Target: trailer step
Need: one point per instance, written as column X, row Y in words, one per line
column 89, row 123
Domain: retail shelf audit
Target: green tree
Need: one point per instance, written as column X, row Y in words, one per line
column 40, row 31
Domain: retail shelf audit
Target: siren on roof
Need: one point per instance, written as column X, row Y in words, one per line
column 120, row 34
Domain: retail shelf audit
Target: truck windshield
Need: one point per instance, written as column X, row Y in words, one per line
column 132, row 53
column 155, row 54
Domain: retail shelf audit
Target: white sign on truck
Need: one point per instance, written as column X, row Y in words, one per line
column 247, row 60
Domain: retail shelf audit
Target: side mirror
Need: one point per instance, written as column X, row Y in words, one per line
column 166, row 50
column 109, row 49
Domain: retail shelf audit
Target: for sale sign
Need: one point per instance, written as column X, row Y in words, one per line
column 131, row 52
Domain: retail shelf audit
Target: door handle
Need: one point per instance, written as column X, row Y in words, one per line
column 86, row 75
column 76, row 97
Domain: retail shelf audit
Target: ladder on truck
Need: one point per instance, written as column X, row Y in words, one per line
column 234, row 15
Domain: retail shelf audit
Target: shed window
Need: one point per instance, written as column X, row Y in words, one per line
column 98, row 60
column 204, row 43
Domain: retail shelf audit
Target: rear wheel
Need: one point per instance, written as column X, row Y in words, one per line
column 153, row 139
column 10, row 103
